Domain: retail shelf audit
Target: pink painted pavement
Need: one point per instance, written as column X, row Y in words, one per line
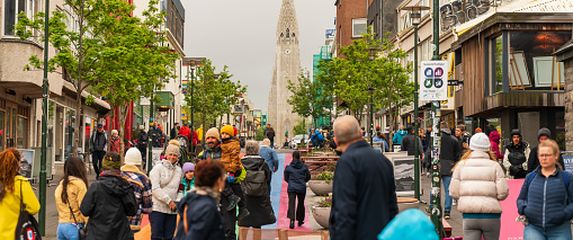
column 283, row 221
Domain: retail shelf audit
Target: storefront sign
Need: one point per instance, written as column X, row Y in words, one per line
column 568, row 160
column 434, row 86
column 457, row 12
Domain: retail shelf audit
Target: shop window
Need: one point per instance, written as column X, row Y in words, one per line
column 497, row 61
column 22, row 132
column 70, row 123
column 531, row 60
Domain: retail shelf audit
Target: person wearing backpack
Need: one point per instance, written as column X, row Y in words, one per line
column 296, row 175
column 15, row 190
column 255, row 189
column 544, row 203
column 516, row 155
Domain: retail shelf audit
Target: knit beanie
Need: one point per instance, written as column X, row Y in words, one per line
column 175, row 142
column 544, row 132
column 213, row 132
column 111, row 161
column 133, row 157
column 172, row 149
column 515, row 132
column 188, row 167
column 228, row 129
column 480, row 142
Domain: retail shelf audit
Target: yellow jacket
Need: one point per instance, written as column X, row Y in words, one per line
column 76, row 191
column 10, row 207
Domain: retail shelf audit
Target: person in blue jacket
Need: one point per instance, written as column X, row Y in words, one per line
column 398, row 136
column 545, row 202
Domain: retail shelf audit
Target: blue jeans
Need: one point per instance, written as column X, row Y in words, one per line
column 561, row 232
column 162, row 225
column 68, row 231
column 448, row 205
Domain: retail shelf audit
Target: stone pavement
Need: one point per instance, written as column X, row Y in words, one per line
column 310, row 225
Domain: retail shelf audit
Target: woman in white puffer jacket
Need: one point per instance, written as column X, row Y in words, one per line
column 478, row 183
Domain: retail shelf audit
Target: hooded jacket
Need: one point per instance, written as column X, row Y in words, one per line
column 165, row 178
column 479, row 184
column 398, row 136
column 515, row 157
column 108, row 203
column 296, row 174
column 199, row 211
column 261, row 211
column 10, row 206
column 494, row 140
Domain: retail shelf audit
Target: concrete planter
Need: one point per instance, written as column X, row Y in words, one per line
column 405, row 203
column 321, row 215
column 320, row 187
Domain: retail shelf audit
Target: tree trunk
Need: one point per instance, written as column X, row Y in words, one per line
column 122, row 117
column 78, row 127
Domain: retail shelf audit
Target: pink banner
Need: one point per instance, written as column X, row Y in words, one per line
column 510, row 229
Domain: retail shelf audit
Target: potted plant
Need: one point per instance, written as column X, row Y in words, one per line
column 322, row 184
column 321, row 211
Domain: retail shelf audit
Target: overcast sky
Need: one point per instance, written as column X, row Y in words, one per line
column 242, row 35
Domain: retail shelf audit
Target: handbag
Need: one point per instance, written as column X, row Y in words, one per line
column 27, row 227
column 82, row 229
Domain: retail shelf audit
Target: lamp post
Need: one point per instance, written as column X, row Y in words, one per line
column 44, row 150
column 192, row 108
column 416, row 17
column 371, row 56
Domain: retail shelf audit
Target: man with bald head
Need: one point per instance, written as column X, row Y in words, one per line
column 364, row 195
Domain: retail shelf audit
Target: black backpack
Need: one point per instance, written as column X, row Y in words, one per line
column 255, row 184
column 27, row 227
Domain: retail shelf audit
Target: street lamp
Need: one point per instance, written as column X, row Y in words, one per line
column 44, row 149
column 416, row 18
column 372, row 50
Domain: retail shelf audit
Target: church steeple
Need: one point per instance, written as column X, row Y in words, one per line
column 287, row 68
column 287, row 28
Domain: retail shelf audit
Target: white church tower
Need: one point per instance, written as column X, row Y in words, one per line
column 287, row 68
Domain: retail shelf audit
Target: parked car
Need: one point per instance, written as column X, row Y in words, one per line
column 298, row 140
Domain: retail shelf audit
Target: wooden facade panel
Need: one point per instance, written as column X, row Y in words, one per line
column 474, row 75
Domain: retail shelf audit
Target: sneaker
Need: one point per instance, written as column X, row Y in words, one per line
column 291, row 226
column 446, row 215
column 233, row 201
column 454, row 202
column 243, row 212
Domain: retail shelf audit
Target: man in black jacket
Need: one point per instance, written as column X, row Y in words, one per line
column 270, row 134
column 364, row 194
column 98, row 143
column 449, row 154
column 409, row 142
column 543, row 135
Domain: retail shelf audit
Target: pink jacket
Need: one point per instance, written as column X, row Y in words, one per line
column 494, row 139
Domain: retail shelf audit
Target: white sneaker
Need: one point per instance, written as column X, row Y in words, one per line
column 454, row 202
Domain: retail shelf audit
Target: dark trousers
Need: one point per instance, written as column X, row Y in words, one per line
column 230, row 217
column 97, row 157
column 299, row 216
column 272, row 142
column 162, row 225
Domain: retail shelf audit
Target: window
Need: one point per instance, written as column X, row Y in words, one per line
column 497, row 57
column 11, row 10
column 359, row 27
column 531, row 60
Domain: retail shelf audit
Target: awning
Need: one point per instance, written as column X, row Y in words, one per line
column 165, row 100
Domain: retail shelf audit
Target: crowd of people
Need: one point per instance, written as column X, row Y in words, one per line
column 207, row 196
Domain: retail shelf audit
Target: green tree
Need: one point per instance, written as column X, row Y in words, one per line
column 214, row 93
column 111, row 53
column 349, row 76
column 306, row 97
